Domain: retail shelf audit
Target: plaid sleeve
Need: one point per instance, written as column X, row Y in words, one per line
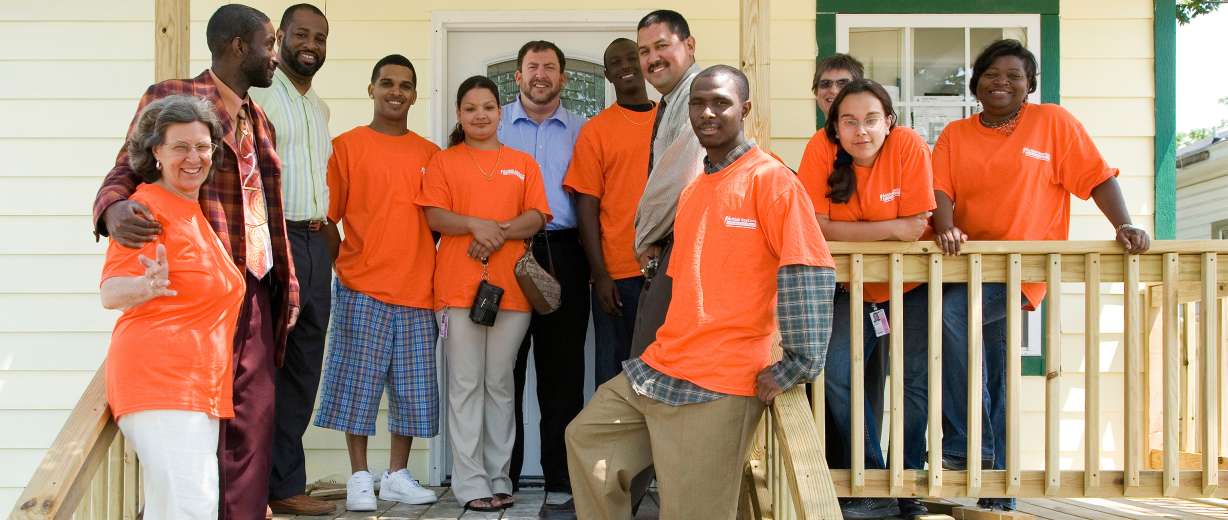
column 804, row 309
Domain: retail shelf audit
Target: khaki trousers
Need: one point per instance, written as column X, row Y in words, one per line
column 698, row 449
column 481, row 413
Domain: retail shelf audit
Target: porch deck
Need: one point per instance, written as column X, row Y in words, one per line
column 529, row 503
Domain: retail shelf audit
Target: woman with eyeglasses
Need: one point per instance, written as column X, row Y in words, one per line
column 168, row 370
column 1007, row 173
column 878, row 186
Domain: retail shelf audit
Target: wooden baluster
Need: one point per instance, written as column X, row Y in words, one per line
column 1014, row 341
column 1135, row 445
column 1209, row 377
column 1189, row 346
column 1222, row 350
column 935, row 375
column 897, row 375
column 974, row 375
column 1172, row 377
column 132, row 491
column 115, row 478
column 1091, row 372
column 1053, row 374
column 857, row 399
column 818, row 404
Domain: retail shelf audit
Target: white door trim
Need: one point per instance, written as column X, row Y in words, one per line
column 443, row 22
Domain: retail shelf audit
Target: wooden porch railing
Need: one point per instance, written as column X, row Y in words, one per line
column 1174, row 328
column 88, row 473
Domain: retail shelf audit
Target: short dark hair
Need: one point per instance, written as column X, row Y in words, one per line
column 676, row 22
column 151, row 128
column 838, row 61
column 393, row 59
column 998, row 49
column 232, row 21
column 741, row 83
column 538, row 46
column 288, row 14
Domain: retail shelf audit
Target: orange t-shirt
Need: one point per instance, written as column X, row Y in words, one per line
column 610, row 163
column 733, row 232
column 1018, row 187
column 174, row 352
column 817, row 159
column 899, row 184
column 373, row 180
column 455, row 182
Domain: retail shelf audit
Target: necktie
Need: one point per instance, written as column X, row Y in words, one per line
column 656, row 124
column 255, row 210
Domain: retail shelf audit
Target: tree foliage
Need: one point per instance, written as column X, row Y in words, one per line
column 1188, row 9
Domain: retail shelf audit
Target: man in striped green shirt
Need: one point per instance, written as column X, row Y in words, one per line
column 300, row 121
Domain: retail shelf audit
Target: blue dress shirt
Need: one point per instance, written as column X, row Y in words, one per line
column 550, row 143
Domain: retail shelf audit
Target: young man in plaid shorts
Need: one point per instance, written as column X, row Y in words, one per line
column 383, row 328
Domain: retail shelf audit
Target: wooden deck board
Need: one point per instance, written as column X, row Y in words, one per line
column 528, row 503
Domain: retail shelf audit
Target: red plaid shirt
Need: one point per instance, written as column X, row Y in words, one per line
column 221, row 198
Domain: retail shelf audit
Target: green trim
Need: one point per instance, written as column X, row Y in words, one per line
column 1050, row 59
column 825, row 36
column 1035, row 365
column 940, row 6
column 1165, row 119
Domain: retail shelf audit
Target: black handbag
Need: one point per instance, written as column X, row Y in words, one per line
column 485, row 306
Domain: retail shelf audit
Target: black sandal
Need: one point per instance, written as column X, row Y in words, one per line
column 489, row 508
column 505, row 500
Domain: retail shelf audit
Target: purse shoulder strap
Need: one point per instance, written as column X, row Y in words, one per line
column 528, row 245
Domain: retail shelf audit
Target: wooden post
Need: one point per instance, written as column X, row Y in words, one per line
column 857, row 399
column 1091, row 362
column 935, row 375
column 756, row 61
column 1135, row 423
column 171, row 43
column 1014, row 345
column 1053, row 374
column 975, row 403
column 1172, row 378
column 1189, row 347
column 1209, row 377
column 896, row 453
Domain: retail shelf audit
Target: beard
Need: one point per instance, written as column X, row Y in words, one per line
column 542, row 98
column 290, row 59
column 256, row 70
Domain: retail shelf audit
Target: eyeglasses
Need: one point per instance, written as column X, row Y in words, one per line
column 839, row 83
column 182, row 149
column 853, row 125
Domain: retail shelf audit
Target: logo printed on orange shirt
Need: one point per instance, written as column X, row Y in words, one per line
column 512, row 172
column 889, row 196
column 1036, row 154
column 741, row 223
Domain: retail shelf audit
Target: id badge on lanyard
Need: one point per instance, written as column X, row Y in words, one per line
column 878, row 318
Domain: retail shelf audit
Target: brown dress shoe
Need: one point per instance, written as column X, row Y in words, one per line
column 302, row 505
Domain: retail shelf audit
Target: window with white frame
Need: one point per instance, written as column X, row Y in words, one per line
column 925, row 61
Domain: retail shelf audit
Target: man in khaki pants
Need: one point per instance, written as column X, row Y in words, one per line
column 745, row 239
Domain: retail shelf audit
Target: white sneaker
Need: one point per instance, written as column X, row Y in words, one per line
column 360, row 492
column 401, row 487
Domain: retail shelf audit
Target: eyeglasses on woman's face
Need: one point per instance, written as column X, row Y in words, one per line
column 183, row 148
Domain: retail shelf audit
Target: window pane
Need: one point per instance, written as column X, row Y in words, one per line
column 584, row 93
column 981, row 38
column 881, row 50
column 938, row 63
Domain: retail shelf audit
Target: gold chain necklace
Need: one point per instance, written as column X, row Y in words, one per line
column 489, row 176
column 624, row 111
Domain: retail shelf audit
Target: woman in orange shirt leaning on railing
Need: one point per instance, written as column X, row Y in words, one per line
column 871, row 180
column 1007, row 173
column 168, row 370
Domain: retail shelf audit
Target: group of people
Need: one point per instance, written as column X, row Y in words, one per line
column 691, row 248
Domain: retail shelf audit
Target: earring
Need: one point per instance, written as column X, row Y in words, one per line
column 158, row 164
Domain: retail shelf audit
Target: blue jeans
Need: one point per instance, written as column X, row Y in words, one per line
column 613, row 333
column 838, row 378
column 993, row 372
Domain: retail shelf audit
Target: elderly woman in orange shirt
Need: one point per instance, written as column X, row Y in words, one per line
column 1007, row 173
column 168, row 371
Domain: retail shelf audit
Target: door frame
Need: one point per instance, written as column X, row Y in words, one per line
column 445, row 22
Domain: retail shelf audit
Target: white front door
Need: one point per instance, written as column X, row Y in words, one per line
column 486, row 43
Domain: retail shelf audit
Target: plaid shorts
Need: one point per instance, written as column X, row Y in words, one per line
column 371, row 344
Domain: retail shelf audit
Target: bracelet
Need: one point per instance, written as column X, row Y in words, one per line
column 1127, row 226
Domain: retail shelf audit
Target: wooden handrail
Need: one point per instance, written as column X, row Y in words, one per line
column 65, row 472
column 810, row 483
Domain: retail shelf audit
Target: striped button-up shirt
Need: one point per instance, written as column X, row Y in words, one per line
column 303, row 144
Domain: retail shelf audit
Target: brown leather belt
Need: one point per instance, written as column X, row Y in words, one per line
column 309, row 225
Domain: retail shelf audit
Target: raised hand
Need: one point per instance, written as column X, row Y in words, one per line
column 157, row 274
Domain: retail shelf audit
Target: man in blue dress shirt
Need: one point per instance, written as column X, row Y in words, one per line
column 537, row 124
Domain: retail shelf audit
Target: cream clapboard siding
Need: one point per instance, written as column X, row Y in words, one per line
column 1201, row 189
column 53, row 333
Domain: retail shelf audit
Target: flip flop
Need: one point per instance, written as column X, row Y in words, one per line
column 505, row 500
column 469, row 506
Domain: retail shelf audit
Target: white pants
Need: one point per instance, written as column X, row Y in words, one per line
column 481, row 401
column 178, row 453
